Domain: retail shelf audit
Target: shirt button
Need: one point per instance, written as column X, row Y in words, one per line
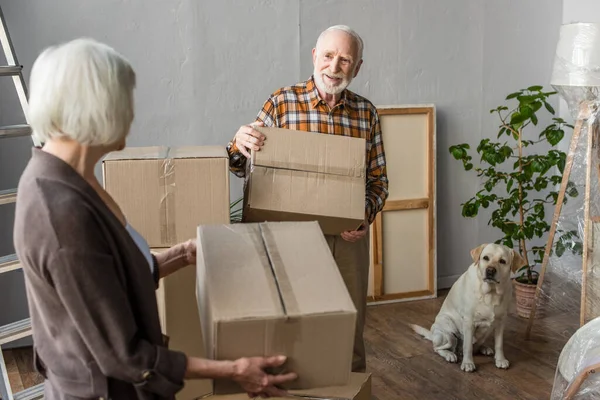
column 147, row 375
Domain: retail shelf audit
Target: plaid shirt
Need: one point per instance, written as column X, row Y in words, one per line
column 300, row 107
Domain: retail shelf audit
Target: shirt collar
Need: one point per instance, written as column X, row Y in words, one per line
column 315, row 98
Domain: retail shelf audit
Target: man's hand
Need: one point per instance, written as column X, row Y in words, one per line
column 354, row 236
column 247, row 138
column 250, row 374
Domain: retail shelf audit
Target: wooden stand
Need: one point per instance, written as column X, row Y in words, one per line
column 585, row 113
column 574, row 387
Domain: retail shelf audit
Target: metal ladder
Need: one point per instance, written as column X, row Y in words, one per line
column 20, row 329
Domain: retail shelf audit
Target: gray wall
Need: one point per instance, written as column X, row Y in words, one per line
column 205, row 67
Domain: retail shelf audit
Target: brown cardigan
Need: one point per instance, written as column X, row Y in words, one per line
column 90, row 291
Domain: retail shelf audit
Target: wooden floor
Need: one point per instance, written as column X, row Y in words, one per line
column 404, row 367
column 19, row 366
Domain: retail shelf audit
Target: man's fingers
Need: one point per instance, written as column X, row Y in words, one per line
column 249, row 130
column 243, row 150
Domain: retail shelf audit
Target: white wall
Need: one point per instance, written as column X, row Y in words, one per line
column 205, row 67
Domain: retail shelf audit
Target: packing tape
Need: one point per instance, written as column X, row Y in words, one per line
column 166, row 177
column 281, row 336
column 282, row 281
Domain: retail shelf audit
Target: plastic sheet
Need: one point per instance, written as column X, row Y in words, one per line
column 577, row 60
column 580, row 355
column 570, row 291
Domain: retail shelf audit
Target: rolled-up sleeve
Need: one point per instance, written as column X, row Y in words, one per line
column 377, row 180
column 90, row 290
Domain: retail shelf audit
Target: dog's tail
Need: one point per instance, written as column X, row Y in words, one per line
column 426, row 333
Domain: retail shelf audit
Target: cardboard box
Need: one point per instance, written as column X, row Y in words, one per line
column 274, row 288
column 306, row 176
column 357, row 388
column 166, row 192
column 180, row 321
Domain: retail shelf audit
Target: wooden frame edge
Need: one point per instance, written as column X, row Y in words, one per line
column 428, row 203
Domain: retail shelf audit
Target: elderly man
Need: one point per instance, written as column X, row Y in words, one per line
column 323, row 104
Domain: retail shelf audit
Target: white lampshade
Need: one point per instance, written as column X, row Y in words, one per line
column 577, row 59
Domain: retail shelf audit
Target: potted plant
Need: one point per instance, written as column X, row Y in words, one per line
column 235, row 214
column 517, row 187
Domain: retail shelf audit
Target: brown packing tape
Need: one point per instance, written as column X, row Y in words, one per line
column 280, row 336
column 166, row 177
column 288, row 301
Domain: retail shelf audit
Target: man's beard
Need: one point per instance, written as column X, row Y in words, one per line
column 331, row 89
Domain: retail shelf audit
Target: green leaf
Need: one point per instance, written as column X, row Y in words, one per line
column 470, row 209
column 526, row 111
column 535, row 88
column 549, row 107
column 518, row 118
column 512, row 95
column 560, row 248
column 509, row 185
column 527, row 99
column 534, row 119
column 468, row 167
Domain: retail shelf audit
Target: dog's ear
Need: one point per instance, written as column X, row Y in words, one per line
column 517, row 261
column 476, row 252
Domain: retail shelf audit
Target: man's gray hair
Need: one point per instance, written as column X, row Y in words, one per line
column 82, row 90
column 348, row 30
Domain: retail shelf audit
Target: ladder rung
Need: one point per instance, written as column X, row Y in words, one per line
column 8, row 196
column 15, row 331
column 10, row 70
column 33, row 393
column 9, row 263
column 15, row 131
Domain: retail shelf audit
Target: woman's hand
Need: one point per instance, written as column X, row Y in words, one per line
column 250, row 374
column 189, row 251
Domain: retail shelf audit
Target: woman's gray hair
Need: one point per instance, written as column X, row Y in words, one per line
column 82, row 90
column 348, row 30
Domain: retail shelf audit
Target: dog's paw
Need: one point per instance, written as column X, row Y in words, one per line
column 448, row 356
column 486, row 351
column 502, row 363
column 467, row 366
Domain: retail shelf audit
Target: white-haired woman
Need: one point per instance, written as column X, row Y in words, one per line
column 90, row 276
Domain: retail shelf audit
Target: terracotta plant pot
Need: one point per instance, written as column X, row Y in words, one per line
column 525, row 294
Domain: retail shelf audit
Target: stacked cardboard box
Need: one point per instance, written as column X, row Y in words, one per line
column 165, row 193
column 306, row 176
column 261, row 288
column 274, row 288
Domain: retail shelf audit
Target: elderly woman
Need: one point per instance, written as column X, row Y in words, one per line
column 90, row 276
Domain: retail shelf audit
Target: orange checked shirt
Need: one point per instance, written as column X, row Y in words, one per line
column 300, row 107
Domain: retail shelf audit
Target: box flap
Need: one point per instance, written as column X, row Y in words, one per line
column 313, row 152
column 270, row 270
column 162, row 152
column 358, row 388
column 237, row 273
column 306, row 274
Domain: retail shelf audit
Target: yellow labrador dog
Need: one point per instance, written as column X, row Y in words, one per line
column 476, row 306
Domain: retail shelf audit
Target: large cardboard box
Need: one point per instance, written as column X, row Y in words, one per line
column 179, row 320
column 306, row 176
column 166, row 192
column 274, row 288
column 357, row 388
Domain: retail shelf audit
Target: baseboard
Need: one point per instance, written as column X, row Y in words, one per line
column 446, row 282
